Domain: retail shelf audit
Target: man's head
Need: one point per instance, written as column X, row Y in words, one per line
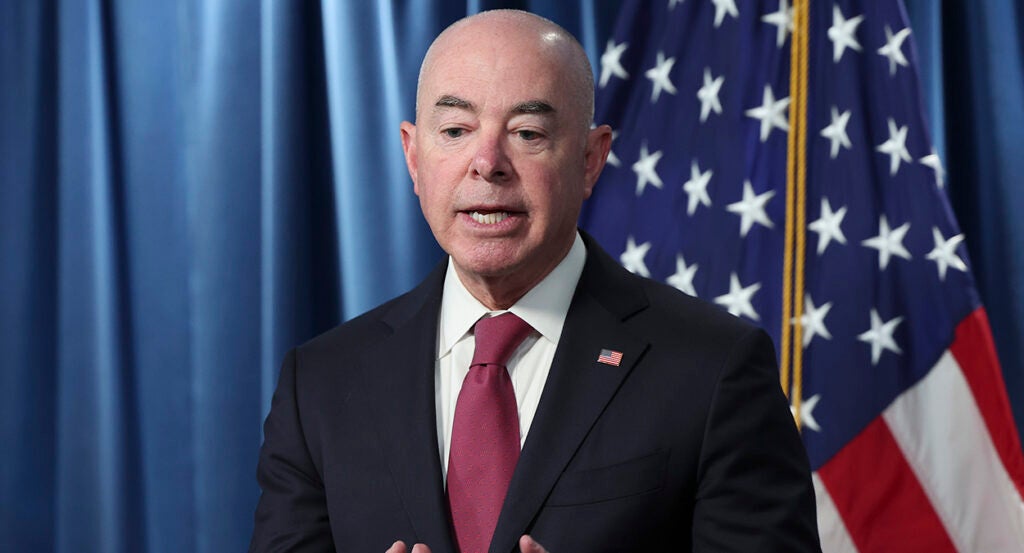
column 502, row 154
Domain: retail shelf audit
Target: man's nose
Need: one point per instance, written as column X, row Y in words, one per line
column 491, row 160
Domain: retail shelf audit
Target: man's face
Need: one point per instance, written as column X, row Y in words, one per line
column 500, row 157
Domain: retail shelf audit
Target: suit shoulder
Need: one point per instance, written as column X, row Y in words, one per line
column 677, row 308
column 669, row 299
column 358, row 332
column 380, row 322
column 656, row 307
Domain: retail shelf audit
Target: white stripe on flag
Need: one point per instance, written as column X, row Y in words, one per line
column 938, row 426
column 831, row 530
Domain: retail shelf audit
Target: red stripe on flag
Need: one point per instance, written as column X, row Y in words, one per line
column 879, row 498
column 976, row 354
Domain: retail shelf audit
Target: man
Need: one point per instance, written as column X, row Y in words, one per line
column 647, row 420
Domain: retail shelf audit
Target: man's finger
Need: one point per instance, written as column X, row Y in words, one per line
column 400, row 547
column 529, row 545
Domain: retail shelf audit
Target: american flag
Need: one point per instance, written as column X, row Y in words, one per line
column 892, row 373
column 609, row 357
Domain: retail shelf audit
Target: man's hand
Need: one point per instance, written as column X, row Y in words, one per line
column 526, row 545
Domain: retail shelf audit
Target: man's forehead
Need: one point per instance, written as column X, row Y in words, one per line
column 506, row 62
column 476, row 52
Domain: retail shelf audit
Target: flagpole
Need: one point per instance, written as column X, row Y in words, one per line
column 801, row 30
column 796, row 192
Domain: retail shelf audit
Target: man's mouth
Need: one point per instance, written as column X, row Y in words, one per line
column 490, row 218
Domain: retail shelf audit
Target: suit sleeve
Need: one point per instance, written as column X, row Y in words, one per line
column 292, row 512
column 755, row 492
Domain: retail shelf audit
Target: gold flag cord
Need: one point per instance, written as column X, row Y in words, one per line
column 787, row 256
column 791, row 376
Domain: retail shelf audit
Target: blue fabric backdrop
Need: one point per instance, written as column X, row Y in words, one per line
column 187, row 189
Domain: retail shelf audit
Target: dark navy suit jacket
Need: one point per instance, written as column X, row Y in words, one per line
column 688, row 444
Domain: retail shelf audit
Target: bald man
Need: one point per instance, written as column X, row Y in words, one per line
column 637, row 419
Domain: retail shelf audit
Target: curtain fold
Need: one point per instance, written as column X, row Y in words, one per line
column 188, row 189
column 28, row 276
column 96, row 434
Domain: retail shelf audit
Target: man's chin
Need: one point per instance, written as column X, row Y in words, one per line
column 486, row 269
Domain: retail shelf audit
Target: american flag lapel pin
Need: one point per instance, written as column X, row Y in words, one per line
column 610, row 357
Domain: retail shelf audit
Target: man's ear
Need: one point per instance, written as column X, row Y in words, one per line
column 409, row 148
column 599, row 143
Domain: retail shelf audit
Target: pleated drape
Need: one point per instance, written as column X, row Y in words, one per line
column 188, row 190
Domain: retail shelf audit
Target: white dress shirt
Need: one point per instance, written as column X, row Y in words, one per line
column 544, row 308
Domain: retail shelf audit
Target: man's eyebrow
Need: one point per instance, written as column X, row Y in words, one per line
column 449, row 101
column 533, row 106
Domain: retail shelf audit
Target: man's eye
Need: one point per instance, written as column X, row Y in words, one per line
column 453, row 132
column 528, row 135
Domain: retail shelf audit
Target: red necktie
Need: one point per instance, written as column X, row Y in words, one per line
column 485, row 434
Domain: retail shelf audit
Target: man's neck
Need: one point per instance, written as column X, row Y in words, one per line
column 499, row 292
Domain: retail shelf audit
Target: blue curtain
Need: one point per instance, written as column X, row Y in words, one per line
column 189, row 188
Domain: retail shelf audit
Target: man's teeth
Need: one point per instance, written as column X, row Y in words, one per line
column 489, row 218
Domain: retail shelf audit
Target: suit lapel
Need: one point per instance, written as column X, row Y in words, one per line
column 407, row 417
column 577, row 389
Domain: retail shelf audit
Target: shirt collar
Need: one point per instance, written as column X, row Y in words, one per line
column 544, row 307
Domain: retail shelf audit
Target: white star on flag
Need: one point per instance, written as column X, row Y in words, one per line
column 611, row 62
column 895, row 147
column 659, row 76
column 944, row 253
column 672, row 3
column 771, row 113
column 751, row 208
column 708, row 95
column 645, row 169
column 932, row 161
column 893, row 48
column 828, row 225
column 880, row 336
column 782, row 19
column 807, row 406
column 813, row 320
column 633, row 258
column 737, row 301
column 697, row 188
column 888, row 242
column 841, row 33
column 723, row 7
column 836, row 132
column 682, row 280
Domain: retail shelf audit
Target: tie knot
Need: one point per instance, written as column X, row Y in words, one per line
column 497, row 337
